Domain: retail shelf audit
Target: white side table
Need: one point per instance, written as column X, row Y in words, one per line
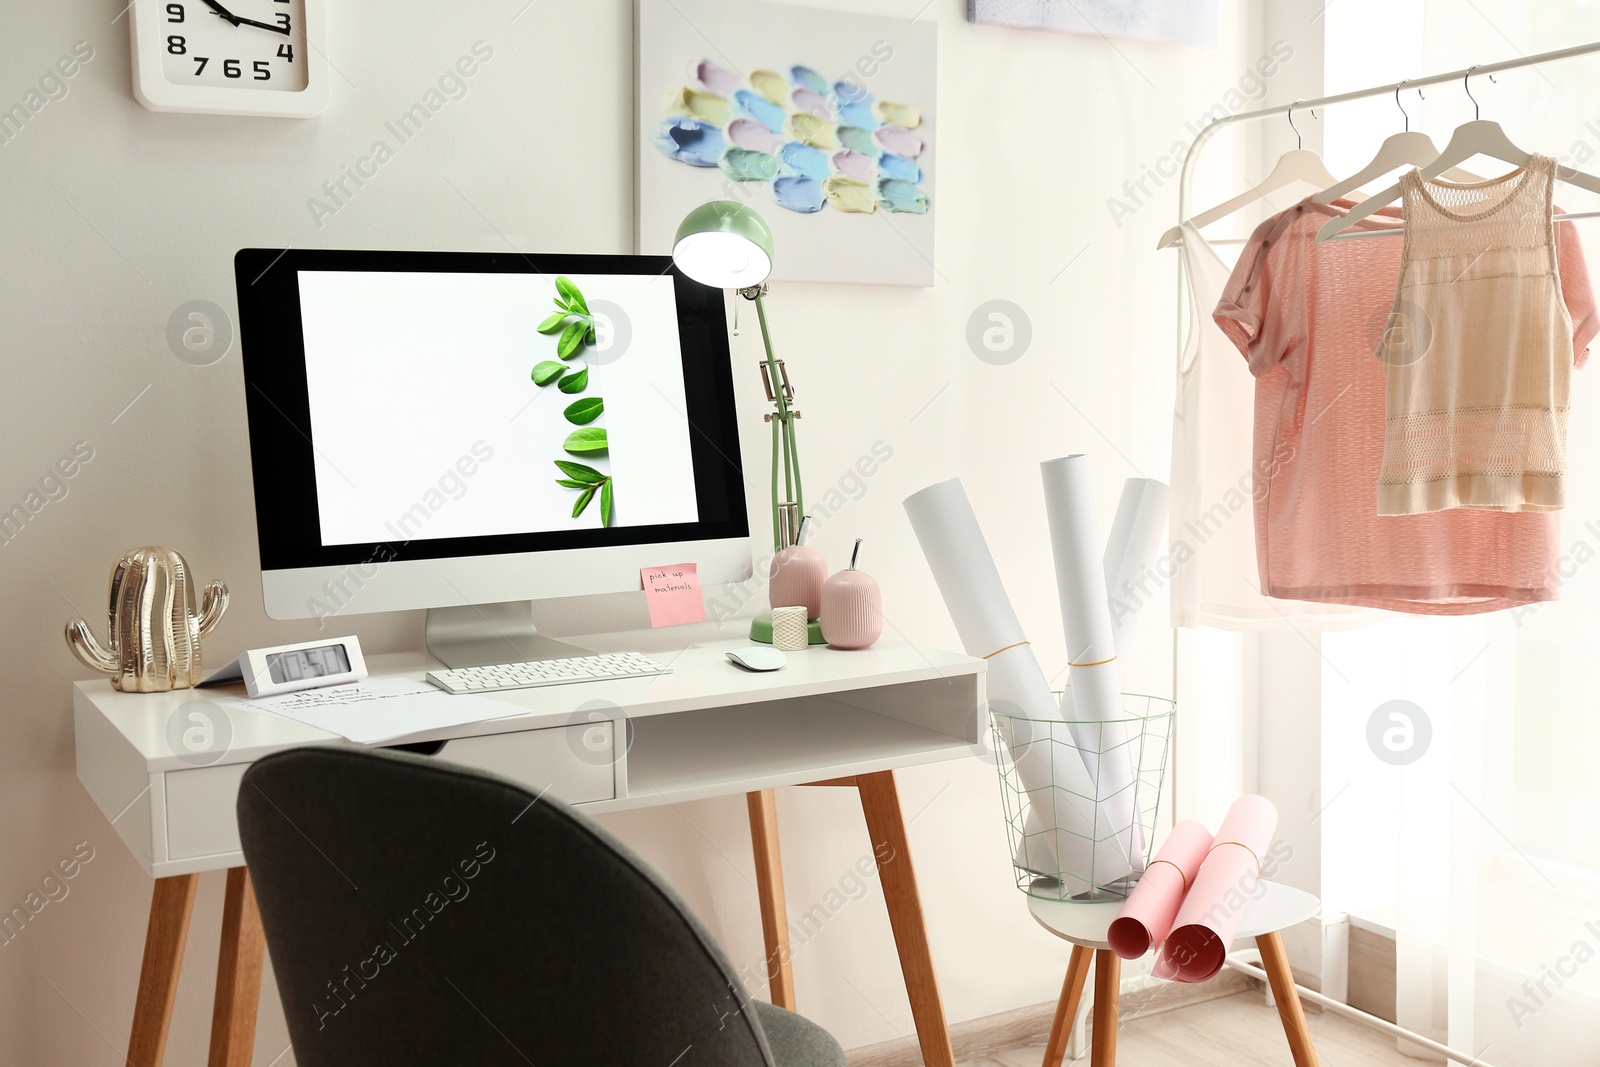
column 1085, row 925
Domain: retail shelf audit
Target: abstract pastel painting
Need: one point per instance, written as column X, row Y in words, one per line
column 823, row 121
column 1190, row 22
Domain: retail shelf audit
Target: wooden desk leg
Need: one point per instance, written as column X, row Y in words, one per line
column 880, row 802
column 1275, row 961
column 769, row 883
column 233, row 1013
column 1107, row 994
column 170, row 907
column 1067, row 1007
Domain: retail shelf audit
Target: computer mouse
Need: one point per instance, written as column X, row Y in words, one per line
column 758, row 658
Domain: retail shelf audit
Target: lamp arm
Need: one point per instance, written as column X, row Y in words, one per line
column 777, row 538
column 794, row 461
column 784, row 447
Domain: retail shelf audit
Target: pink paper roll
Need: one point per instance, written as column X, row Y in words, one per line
column 1146, row 918
column 1221, row 894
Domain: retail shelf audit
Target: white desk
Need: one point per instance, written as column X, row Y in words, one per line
column 708, row 729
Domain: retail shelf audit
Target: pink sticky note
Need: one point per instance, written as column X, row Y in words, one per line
column 673, row 593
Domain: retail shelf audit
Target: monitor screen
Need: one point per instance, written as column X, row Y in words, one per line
column 406, row 407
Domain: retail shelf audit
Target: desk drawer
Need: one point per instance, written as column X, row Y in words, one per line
column 200, row 819
column 573, row 762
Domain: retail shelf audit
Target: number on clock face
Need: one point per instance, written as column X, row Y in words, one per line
column 235, row 43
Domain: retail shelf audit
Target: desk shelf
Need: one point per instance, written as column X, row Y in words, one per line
column 716, row 751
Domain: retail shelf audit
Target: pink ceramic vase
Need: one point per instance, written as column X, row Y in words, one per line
column 852, row 610
column 796, row 577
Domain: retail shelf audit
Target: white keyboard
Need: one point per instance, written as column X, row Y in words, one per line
column 600, row 667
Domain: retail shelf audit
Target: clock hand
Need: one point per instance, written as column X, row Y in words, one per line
column 265, row 26
column 224, row 12
column 238, row 21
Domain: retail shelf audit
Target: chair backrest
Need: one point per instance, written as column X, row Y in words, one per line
column 419, row 912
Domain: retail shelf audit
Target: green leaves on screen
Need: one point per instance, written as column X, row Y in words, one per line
column 572, row 320
column 591, row 440
column 572, row 295
column 583, row 500
column 580, row 473
column 572, row 325
column 572, row 338
column 546, row 372
column 582, row 412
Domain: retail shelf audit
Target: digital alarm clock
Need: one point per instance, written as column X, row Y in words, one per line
column 289, row 668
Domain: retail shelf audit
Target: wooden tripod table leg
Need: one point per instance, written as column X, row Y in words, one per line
column 1067, row 1007
column 233, row 1013
column 880, row 802
column 170, row 907
column 1107, row 995
column 1275, row 961
column 769, row 883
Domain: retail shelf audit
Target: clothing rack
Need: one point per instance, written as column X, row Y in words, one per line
column 1184, row 181
column 1210, row 128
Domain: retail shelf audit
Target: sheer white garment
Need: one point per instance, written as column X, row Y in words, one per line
column 1212, row 537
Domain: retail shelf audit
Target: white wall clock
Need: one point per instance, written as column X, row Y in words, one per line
column 231, row 57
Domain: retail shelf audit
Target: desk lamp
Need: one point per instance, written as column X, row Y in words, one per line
column 728, row 245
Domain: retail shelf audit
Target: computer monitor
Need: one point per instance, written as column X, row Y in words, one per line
column 417, row 442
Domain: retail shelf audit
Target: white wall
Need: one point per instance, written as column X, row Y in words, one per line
column 114, row 216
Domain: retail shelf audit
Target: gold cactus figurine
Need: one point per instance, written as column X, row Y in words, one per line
column 155, row 633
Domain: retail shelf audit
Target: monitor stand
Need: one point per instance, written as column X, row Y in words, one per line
column 480, row 634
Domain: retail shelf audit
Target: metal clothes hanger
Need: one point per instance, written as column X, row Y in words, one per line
column 1480, row 137
column 1410, row 148
column 1299, row 164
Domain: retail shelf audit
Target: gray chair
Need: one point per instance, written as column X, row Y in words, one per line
column 423, row 913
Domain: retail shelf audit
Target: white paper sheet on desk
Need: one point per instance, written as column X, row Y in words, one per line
column 378, row 709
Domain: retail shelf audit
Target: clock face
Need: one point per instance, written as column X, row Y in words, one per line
column 304, row 663
column 234, row 44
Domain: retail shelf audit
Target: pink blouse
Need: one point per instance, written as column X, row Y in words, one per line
column 1308, row 318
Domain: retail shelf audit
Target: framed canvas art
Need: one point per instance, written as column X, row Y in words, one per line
column 823, row 121
column 1190, row 22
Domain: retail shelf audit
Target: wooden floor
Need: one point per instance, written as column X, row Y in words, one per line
column 1235, row 1031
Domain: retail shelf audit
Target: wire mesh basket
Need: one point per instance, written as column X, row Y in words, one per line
column 1081, row 798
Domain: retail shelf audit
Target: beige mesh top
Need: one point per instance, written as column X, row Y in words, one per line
column 1478, row 350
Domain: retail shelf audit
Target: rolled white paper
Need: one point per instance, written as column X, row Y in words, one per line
column 963, row 568
column 1132, row 550
column 1095, row 708
column 968, row 580
column 986, row 621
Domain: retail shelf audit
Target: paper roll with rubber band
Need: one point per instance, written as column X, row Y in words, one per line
column 1085, row 852
column 1223, row 891
column 1094, row 704
column 1133, row 548
column 1147, row 917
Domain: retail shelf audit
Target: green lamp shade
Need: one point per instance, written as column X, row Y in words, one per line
column 724, row 244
